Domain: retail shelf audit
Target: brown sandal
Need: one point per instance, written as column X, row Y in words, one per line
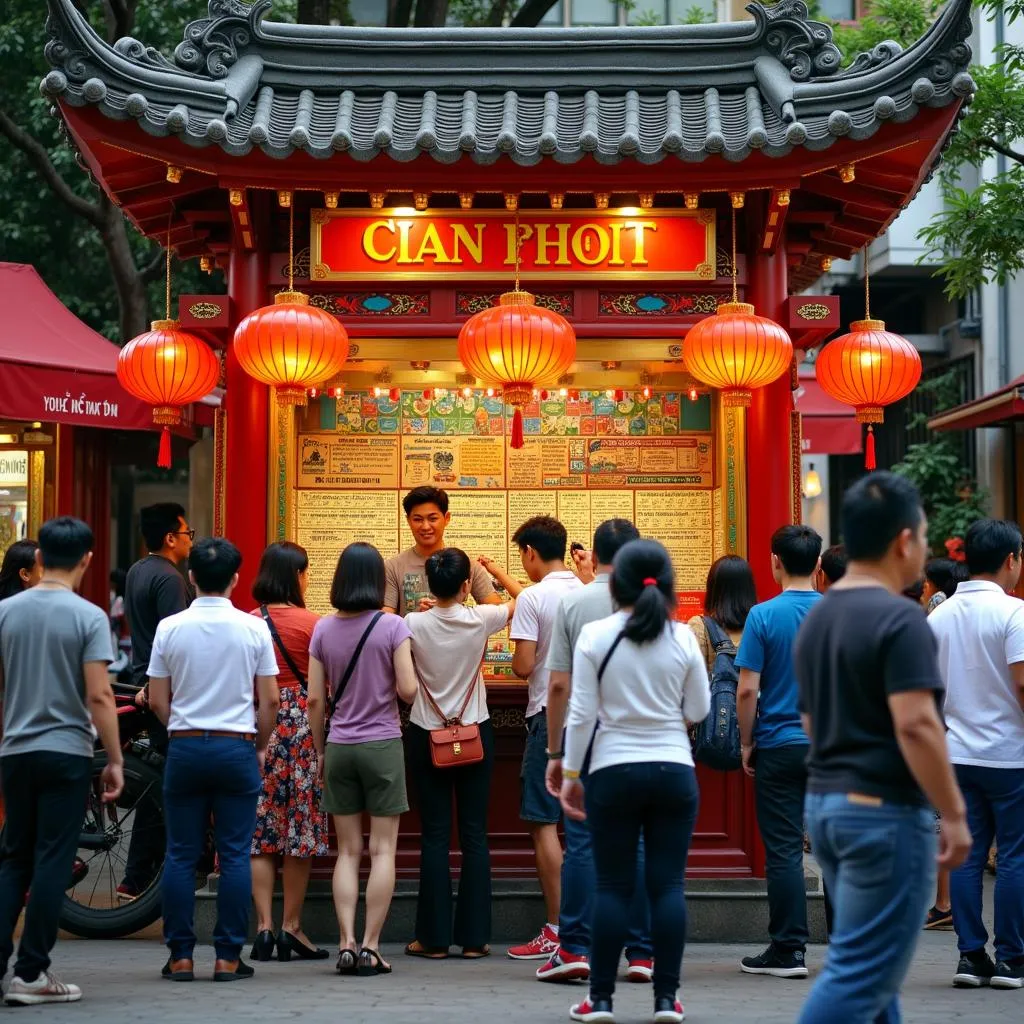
column 417, row 949
column 469, row 953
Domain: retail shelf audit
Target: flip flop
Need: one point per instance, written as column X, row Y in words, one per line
column 423, row 953
column 476, row 954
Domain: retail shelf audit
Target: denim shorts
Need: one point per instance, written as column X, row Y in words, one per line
column 537, row 804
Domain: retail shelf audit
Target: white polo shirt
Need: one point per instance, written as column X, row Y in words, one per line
column 212, row 653
column 980, row 633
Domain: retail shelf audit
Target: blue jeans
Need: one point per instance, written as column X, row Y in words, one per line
column 995, row 809
column 578, row 883
column 879, row 866
column 656, row 800
column 204, row 776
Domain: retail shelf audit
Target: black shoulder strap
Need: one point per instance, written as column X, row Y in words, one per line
column 339, row 692
column 278, row 643
column 720, row 640
column 608, row 656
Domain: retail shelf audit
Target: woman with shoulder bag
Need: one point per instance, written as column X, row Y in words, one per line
column 450, row 745
column 728, row 598
column 360, row 664
column 289, row 822
column 637, row 678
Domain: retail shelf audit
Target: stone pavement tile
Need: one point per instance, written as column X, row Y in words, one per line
column 121, row 984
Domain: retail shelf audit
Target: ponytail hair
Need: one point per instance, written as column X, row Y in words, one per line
column 642, row 579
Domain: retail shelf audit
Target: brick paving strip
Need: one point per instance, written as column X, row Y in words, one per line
column 121, row 983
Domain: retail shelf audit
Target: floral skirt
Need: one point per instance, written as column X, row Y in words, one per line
column 288, row 816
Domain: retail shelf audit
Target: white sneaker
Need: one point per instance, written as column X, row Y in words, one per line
column 47, row 988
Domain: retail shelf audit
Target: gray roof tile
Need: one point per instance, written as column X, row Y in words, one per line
column 641, row 94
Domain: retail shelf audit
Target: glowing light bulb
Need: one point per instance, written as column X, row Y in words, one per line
column 693, row 394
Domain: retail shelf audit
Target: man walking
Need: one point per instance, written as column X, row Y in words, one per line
column 201, row 675
column 154, row 589
column 980, row 632
column 571, row 961
column 770, row 731
column 869, row 695
column 54, row 652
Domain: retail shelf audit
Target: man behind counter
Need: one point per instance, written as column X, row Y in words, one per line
column 405, row 580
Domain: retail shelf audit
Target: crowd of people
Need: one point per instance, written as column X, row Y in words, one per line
column 894, row 739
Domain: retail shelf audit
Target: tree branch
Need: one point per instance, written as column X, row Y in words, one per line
column 154, row 268
column 40, row 159
column 531, row 12
column 999, row 147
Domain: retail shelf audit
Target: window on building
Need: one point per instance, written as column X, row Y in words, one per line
column 368, row 12
column 838, row 10
column 553, row 15
column 593, row 12
column 673, row 12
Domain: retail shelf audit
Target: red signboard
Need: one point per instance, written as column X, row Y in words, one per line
column 443, row 245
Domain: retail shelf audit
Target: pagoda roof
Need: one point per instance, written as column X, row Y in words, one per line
column 772, row 85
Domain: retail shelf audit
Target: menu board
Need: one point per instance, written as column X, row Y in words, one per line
column 456, row 461
column 586, row 459
column 332, row 460
column 683, row 522
column 328, row 521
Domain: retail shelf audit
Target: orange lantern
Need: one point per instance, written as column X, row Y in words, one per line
column 291, row 346
column 517, row 346
column 868, row 368
column 735, row 351
column 168, row 368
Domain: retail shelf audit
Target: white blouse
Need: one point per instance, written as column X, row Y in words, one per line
column 647, row 694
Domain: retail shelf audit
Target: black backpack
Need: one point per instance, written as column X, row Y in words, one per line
column 716, row 741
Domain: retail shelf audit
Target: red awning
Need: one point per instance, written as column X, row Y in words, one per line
column 829, row 427
column 994, row 410
column 52, row 366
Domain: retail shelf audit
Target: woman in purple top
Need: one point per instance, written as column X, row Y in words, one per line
column 365, row 655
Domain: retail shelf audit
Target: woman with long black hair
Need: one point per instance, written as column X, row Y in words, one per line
column 638, row 677
column 20, row 569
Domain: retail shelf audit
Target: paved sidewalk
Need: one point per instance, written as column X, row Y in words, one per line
column 121, row 983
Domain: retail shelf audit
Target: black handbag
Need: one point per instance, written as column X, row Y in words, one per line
column 716, row 740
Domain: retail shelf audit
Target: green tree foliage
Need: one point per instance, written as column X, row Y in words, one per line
column 951, row 498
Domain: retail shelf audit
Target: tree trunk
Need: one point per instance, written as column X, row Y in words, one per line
column 399, row 13
column 128, row 282
column 314, row 12
column 431, row 13
column 531, row 12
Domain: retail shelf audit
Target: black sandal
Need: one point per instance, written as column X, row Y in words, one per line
column 371, row 963
column 347, row 962
column 425, row 952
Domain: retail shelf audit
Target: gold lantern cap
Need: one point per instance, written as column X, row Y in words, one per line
column 735, row 309
column 292, row 298
column 517, row 297
column 164, row 325
column 867, row 325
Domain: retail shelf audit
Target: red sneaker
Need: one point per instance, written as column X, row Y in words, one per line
column 597, row 1011
column 564, row 966
column 668, row 1011
column 541, row 948
column 126, row 893
column 640, row 972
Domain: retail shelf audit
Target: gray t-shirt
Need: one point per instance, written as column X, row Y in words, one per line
column 588, row 604
column 46, row 637
column 405, row 582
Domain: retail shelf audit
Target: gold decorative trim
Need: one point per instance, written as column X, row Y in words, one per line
column 813, row 311
column 220, row 469
column 319, row 216
column 321, row 272
column 205, row 310
column 732, row 420
column 508, row 718
column 36, row 491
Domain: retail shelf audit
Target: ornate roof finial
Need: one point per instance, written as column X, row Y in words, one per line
column 212, row 44
column 804, row 46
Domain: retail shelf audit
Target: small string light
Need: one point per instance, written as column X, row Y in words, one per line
column 428, row 394
column 610, row 393
column 467, row 392
column 563, row 392
column 544, row 395
column 693, row 394
column 647, row 392
column 338, row 392
column 396, row 395
column 490, row 392
column 376, row 392
column 312, row 392
column 620, row 395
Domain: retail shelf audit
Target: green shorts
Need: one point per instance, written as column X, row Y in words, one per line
column 365, row 777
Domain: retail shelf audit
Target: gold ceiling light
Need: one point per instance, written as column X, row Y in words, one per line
column 782, row 197
column 847, row 173
column 466, row 200
column 646, row 200
column 331, row 200
column 236, row 196
column 206, row 264
column 173, row 174
column 512, row 201
column 692, row 200
column 557, row 200
column 377, row 199
column 421, row 200
column 284, row 198
column 737, row 199
column 601, row 200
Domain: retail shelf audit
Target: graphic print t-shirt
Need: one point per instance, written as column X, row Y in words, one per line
column 405, row 582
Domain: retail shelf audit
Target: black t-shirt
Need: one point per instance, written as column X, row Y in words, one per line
column 153, row 590
column 855, row 648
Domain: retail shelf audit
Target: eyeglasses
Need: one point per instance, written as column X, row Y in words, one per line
column 191, row 534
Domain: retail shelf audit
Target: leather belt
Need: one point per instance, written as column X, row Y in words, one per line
column 221, row 734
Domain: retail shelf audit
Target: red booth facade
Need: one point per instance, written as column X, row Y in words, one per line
column 416, row 165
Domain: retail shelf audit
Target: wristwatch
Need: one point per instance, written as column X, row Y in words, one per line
column 555, row 755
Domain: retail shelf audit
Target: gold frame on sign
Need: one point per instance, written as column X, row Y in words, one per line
column 320, row 271
column 283, row 435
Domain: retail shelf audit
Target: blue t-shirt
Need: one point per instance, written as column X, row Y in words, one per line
column 767, row 647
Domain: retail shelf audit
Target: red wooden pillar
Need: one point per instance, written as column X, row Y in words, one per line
column 248, row 442
column 768, row 428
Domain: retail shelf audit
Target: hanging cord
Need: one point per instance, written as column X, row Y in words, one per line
column 735, row 296
column 867, row 286
column 167, row 280
column 291, row 244
column 519, row 246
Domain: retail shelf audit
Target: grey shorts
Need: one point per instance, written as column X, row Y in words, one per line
column 367, row 777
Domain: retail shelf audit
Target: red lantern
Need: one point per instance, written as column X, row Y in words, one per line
column 168, row 368
column 736, row 351
column 291, row 346
column 515, row 346
column 869, row 368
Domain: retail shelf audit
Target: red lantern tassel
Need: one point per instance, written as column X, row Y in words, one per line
column 517, row 428
column 869, row 450
column 163, row 459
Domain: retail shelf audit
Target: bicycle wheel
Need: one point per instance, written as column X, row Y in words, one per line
column 93, row 909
